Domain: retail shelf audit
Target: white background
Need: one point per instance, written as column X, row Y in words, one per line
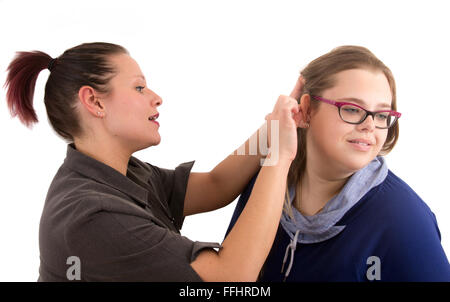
column 219, row 67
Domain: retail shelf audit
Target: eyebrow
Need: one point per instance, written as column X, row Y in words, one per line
column 140, row 76
column 361, row 102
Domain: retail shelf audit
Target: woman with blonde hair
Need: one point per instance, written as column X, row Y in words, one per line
column 347, row 217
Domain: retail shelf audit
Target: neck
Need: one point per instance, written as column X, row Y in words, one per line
column 317, row 186
column 110, row 153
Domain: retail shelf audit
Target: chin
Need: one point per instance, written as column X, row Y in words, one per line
column 155, row 140
column 156, row 143
column 355, row 162
column 148, row 142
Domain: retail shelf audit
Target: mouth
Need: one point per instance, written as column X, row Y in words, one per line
column 153, row 118
column 361, row 144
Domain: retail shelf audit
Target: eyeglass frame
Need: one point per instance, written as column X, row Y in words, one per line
column 396, row 114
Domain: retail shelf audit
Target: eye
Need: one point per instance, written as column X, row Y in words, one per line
column 140, row 88
column 382, row 116
column 352, row 110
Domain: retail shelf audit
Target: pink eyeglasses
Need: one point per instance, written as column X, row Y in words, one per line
column 355, row 114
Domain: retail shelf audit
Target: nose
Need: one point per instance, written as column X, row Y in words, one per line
column 156, row 100
column 367, row 125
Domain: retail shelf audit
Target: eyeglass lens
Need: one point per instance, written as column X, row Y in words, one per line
column 354, row 115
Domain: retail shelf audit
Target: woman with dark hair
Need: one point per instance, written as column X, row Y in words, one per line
column 347, row 217
column 111, row 217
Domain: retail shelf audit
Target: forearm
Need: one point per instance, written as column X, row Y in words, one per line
column 217, row 188
column 248, row 244
column 235, row 171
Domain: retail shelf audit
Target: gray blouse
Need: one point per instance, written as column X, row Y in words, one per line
column 120, row 228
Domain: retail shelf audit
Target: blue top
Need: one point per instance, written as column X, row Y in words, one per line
column 390, row 235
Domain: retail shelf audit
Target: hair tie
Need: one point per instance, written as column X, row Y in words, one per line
column 51, row 64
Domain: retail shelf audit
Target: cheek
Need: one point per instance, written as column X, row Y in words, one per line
column 324, row 140
column 328, row 130
column 130, row 111
column 125, row 116
column 381, row 139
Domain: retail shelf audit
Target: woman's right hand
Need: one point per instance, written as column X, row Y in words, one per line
column 287, row 113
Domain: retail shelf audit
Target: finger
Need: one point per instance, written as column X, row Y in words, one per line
column 291, row 104
column 282, row 99
column 290, row 108
column 298, row 118
column 296, row 92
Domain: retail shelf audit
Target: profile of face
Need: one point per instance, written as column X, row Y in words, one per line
column 340, row 146
column 130, row 106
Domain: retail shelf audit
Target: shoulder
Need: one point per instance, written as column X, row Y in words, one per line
column 73, row 199
column 70, row 190
column 163, row 176
column 401, row 204
column 409, row 237
column 164, row 173
column 395, row 185
column 400, row 210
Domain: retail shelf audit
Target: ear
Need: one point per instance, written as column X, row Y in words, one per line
column 305, row 108
column 90, row 101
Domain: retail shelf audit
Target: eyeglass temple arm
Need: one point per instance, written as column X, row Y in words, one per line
column 323, row 100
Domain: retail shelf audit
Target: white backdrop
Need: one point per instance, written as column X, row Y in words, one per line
column 219, row 67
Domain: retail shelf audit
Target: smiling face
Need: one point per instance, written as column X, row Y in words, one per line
column 130, row 106
column 342, row 147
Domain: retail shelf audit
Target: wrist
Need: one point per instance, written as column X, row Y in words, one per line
column 276, row 160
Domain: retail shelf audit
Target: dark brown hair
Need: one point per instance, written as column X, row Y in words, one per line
column 87, row 64
column 319, row 75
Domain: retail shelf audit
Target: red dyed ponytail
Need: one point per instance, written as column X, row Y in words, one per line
column 86, row 64
column 22, row 75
